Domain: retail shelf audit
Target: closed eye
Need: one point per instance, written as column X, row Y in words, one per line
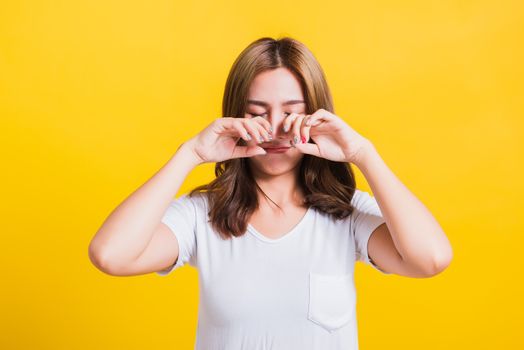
column 257, row 115
column 262, row 115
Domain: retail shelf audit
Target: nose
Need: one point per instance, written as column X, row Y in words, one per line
column 277, row 123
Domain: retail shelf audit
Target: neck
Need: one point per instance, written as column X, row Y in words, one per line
column 283, row 189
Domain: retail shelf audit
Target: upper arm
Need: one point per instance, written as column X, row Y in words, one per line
column 161, row 253
column 383, row 253
column 180, row 219
column 366, row 219
column 172, row 244
column 373, row 242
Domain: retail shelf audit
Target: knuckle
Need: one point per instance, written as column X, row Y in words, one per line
column 298, row 122
column 240, row 127
column 262, row 123
column 263, row 129
column 260, row 120
column 248, row 123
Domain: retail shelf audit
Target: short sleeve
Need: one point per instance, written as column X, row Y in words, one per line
column 366, row 217
column 181, row 217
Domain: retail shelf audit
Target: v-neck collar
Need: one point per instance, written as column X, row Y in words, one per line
column 296, row 228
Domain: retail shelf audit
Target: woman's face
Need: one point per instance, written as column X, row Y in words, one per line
column 274, row 95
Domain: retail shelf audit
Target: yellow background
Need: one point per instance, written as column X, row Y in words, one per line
column 95, row 96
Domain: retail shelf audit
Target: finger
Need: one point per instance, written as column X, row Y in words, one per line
column 309, row 148
column 254, row 130
column 286, row 126
column 232, row 127
column 297, row 124
column 265, row 123
column 316, row 120
column 262, row 129
column 247, row 151
column 319, row 116
column 241, row 130
column 304, row 129
column 307, row 121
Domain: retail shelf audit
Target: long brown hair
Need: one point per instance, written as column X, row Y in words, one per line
column 328, row 186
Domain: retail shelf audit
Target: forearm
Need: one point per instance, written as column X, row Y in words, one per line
column 416, row 234
column 129, row 228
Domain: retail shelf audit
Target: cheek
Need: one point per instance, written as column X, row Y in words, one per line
column 242, row 142
column 289, row 160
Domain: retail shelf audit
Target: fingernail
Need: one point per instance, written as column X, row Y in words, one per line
column 270, row 137
column 295, row 139
column 270, row 129
column 303, row 139
column 286, row 128
column 248, row 137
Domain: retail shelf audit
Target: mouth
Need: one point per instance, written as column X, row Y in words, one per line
column 277, row 149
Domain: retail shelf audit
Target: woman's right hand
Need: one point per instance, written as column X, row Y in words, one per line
column 219, row 140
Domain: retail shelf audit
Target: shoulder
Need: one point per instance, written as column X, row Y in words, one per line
column 191, row 204
column 359, row 196
column 362, row 200
column 197, row 202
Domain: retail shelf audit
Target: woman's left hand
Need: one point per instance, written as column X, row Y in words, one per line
column 334, row 138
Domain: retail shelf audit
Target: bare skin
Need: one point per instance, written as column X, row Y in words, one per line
column 411, row 243
column 276, row 173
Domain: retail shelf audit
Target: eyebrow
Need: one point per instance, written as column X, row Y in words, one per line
column 265, row 104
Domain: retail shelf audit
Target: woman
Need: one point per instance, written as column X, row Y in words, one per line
column 275, row 236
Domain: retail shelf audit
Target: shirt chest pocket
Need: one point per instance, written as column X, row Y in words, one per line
column 332, row 300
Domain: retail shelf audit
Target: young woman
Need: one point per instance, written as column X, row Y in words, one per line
column 276, row 235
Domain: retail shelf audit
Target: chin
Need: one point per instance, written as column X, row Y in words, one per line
column 272, row 167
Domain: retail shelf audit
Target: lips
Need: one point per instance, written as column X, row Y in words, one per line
column 277, row 146
column 280, row 149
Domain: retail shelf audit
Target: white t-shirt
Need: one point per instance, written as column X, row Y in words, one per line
column 294, row 292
